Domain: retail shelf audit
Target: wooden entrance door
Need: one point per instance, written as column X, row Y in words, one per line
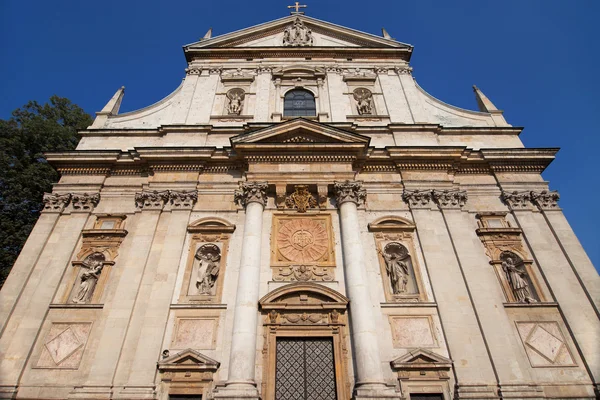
column 305, row 369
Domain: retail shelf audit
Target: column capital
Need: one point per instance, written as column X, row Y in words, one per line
column 251, row 192
column 418, row 198
column 453, row 198
column 151, row 199
column 349, row 191
column 183, row 200
column 54, row 202
column 84, row 201
column 545, row 200
column 517, row 200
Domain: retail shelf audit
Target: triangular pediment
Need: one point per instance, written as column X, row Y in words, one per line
column 188, row 359
column 271, row 34
column 420, row 358
column 300, row 131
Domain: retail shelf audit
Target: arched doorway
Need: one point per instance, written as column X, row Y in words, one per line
column 305, row 343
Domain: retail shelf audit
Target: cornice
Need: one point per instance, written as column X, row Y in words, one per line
column 453, row 159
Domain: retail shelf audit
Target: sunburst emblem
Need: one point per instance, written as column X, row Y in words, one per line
column 302, row 240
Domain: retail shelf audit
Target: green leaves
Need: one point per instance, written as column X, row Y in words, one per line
column 24, row 173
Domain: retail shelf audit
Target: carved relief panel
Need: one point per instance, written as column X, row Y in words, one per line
column 205, row 267
column 394, row 241
column 302, row 248
column 508, row 256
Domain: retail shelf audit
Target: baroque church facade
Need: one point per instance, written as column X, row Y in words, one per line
column 300, row 220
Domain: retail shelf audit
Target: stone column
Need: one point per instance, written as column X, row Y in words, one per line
column 242, row 360
column 369, row 376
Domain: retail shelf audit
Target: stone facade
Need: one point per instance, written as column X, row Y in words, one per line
column 186, row 241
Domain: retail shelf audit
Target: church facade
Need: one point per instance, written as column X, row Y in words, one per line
column 300, row 220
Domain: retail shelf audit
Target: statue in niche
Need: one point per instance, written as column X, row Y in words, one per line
column 517, row 278
column 209, row 256
column 89, row 278
column 396, row 256
column 236, row 101
column 364, row 101
column 297, row 35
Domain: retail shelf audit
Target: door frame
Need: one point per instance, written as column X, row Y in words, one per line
column 305, row 310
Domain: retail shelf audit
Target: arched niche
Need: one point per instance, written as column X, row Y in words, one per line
column 305, row 311
column 397, row 254
column 205, row 269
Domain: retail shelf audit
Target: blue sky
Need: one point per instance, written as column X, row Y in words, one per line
column 535, row 59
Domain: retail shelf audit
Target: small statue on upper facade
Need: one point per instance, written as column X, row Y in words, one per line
column 518, row 281
column 396, row 268
column 236, row 99
column 364, row 104
column 210, row 257
column 88, row 280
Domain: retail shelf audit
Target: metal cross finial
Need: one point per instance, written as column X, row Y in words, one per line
column 297, row 6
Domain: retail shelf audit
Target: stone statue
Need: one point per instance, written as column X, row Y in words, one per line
column 364, row 103
column 518, row 281
column 395, row 255
column 236, row 99
column 88, row 280
column 208, row 270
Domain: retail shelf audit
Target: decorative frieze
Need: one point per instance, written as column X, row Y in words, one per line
column 545, row 200
column 302, row 273
column 251, row 192
column 450, row 198
column 151, row 200
column 55, row 202
column 352, row 191
column 84, row 201
column 418, row 198
column 517, row 200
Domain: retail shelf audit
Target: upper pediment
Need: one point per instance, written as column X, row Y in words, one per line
column 300, row 131
column 297, row 31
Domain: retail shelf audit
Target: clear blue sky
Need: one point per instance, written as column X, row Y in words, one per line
column 535, row 59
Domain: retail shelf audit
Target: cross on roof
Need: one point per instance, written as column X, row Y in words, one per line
column 297, row 6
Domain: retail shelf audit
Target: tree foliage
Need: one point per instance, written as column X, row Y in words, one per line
column 24, row 173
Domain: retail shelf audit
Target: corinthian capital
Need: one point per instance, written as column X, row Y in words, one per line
column 450, row 198
column 418, row 198
column 349, row 191
column 84, row 201
column 151, row 200
column 251, row 192
column 55, row 202
column 183, row 200
column 545, row 200
column 517, row 200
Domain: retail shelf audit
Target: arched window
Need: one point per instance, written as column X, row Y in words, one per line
column 299, row 103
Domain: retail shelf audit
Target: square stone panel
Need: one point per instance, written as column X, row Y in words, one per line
column 409, row 332
column 544, row 344
column 64, row 345
column 195, row 333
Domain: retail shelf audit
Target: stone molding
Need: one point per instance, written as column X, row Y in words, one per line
column 545, row 200
column 418, row 198
column 450, row 198
column 352, row 191
column 251, row 192
column 55, row 202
